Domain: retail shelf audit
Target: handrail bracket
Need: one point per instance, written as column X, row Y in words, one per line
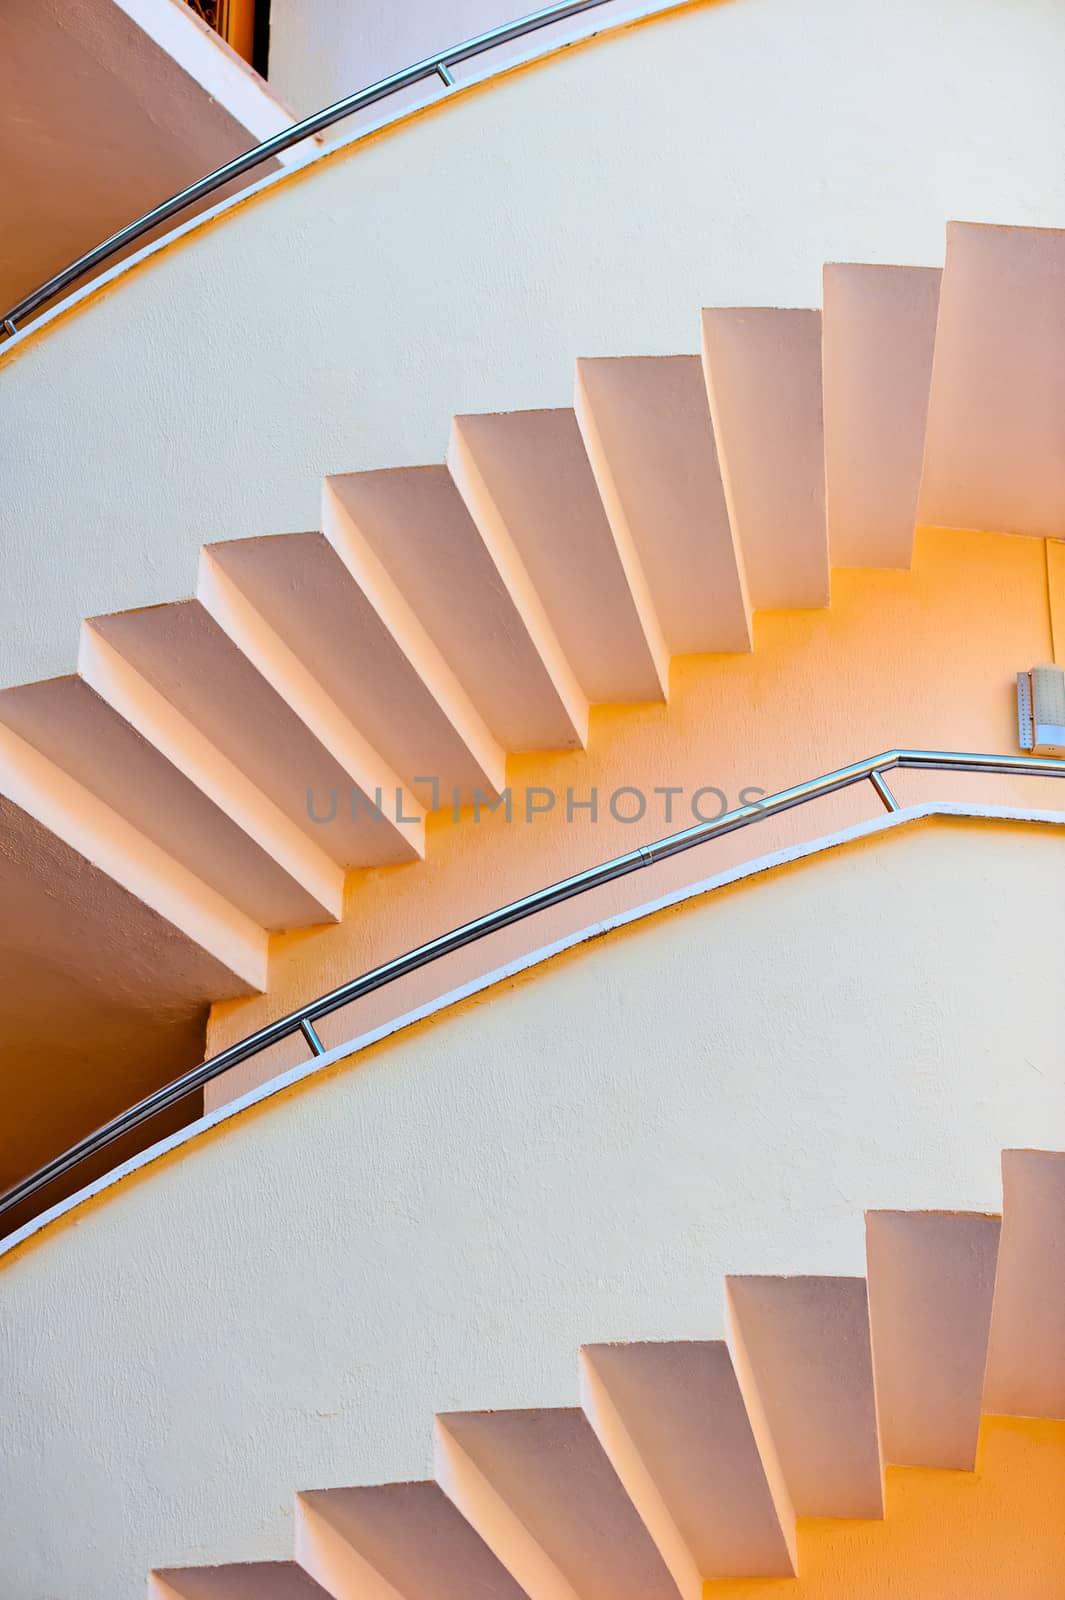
column 878, row 782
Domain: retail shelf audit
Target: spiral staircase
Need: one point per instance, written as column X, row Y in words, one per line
column 447, row 616
column 221, row 762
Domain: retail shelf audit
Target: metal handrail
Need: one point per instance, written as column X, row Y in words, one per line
column 303, row 1020
column 435, row 66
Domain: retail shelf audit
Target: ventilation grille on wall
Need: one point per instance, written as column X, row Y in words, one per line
column 1041, row 710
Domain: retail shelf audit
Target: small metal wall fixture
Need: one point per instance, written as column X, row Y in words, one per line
column 1041, row 710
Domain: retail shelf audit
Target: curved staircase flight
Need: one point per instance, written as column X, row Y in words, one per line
column 689, row 1462
column 227, row 758
column 447, row 616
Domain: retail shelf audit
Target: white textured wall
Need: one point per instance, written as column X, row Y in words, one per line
column 580, row 1156
column 585, row 207
column 321, row 50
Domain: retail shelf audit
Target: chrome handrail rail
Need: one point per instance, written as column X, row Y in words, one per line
column 303, row 1020
column 438, row 66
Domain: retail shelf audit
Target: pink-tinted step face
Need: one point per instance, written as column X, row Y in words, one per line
column 1026, row 1348
column 416, row 526
column 187, row 657
column 82, row 734
column 763, row 373
column 541, row 1493
column 646, row 424
column 80, row 935
column 392, row 1539
column 993, row 453
column 878, row 339
column 673, row 1421
column 301, row 587
column 805, row 1347
column 530, row 470
column 931, row 1280
column 254, row 1580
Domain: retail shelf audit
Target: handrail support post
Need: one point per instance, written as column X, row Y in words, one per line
column 310, row 1033
column 878, row 782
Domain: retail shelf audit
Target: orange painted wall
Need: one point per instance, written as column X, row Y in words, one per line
column 926, row 657
column 995, row 1534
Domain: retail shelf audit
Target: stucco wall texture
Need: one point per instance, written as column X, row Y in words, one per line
column 587, row 206
column 900, row 658
column 579, row 1154
column 323, row 49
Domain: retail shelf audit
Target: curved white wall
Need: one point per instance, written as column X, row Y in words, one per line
column 321, row 50
column 588, row 206
column 579, row 1155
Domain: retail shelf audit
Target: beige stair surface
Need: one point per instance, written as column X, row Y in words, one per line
column 763, row 374
column 806, row 1356
column 253, row 1580
column 301, row 588
column 70, row 815
column 526, row 478
column 994, row 456
column 686, row 1465
column 646, row 425
column 1026, row 1348
column 931, row 1277
column 482, row 614
column 392, row 1540
column 878, row 340
column 673, row 1422
column 155, row 789
column 288, row 742
column 539, row 1490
